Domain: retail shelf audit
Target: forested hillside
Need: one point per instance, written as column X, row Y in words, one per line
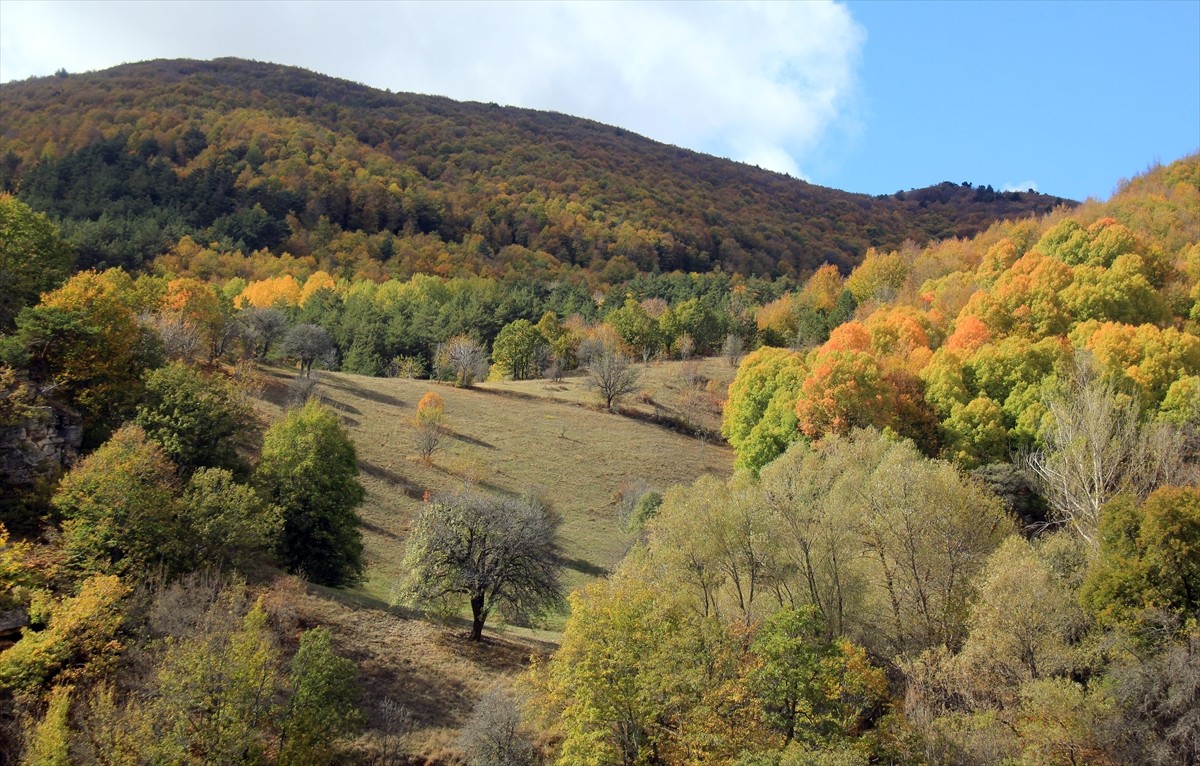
column 258, row 157
column 961, row 525
column 958, row 345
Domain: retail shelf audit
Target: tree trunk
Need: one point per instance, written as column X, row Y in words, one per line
column 478, row 616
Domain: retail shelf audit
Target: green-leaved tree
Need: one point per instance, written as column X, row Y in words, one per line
column 519, row 351
column 120, row 509
column 196, row 419
column 33, row 258
column 309, row 470
column 324, row 703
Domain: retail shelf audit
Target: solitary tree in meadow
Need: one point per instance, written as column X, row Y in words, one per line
column 430, row 424
column 497, row 551
column 613, row 376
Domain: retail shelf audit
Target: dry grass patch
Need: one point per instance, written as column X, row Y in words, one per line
column 431, row 671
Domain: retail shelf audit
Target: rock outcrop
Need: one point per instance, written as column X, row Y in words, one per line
column 44, row 442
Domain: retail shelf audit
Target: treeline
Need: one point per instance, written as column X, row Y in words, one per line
column 372, row 328
column 373, row 325
column 256, row 157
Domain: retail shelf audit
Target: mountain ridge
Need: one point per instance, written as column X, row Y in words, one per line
column 479, row 177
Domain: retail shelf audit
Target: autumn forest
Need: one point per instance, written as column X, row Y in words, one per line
column 919, row 474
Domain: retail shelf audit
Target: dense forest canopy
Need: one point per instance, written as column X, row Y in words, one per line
column 259, row 157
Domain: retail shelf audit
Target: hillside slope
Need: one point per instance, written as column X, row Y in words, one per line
column 255, row 155
column 579, row 459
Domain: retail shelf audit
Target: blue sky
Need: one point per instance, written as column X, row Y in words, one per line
column 1067, row 97
column 1071, row 96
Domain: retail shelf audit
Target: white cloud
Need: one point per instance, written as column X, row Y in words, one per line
column 761, row 82
column 1019, row 186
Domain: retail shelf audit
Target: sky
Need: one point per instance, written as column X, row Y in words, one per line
column 868, row 96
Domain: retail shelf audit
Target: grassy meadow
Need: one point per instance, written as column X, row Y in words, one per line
column 548, row 438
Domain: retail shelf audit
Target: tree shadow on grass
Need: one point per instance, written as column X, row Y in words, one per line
column 340, row 407
column 584, row 567
column 342, row 384
column 378, row 530
column 386, row 474
column 380, row 398
column 423, row 661
column 494, row 652
column 469, row 440
column 431, row 695
column 474, row 481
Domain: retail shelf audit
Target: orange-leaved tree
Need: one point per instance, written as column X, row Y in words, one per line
column 198, row 306
column 843, row 389
column 430, row 423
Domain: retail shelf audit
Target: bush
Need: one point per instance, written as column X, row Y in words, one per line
column 410, row 367
column 493, row 735
column 81, row 629
column 646, row 509
column 430, row 424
